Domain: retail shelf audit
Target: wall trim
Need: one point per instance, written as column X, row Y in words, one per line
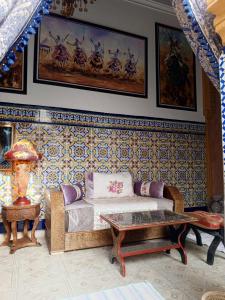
column 70, row 117
column 154, row 5
column 62, row 109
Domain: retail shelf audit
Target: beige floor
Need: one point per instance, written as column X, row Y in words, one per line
column 33, row 274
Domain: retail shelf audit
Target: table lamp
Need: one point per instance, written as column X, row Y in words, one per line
column 23, row 154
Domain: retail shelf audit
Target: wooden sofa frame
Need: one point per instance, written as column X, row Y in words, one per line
column 59, row 240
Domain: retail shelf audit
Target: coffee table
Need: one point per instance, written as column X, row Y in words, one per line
column 121, row 223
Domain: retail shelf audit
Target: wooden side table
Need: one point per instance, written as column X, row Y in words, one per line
column 10, row 216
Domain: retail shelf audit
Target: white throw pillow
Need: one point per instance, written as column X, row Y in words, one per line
column 101, row 185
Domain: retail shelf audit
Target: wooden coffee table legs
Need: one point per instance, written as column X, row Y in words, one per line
column 118, row 237
column 177, row 236
column 120, row 252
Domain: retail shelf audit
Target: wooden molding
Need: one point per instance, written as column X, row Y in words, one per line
column 217, row 8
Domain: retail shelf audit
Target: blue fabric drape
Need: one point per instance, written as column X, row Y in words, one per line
column 19, row 19
column 197, row 25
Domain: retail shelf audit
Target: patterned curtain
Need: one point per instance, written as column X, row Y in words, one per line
column 197, row 25
column 19, row 19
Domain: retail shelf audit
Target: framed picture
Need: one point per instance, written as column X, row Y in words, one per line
column 6, row 141
column 175, row 66
column 78, row 54
column 15, row 81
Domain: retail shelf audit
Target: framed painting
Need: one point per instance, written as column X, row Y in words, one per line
column 175, row 69
column 78, row 54
column 6, row 141
column 15, row 81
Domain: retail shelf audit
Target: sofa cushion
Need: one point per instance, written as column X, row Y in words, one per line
column 149, row 188
column 101, row 185
column 71, row 193
column 79, row 216
column 125, row 204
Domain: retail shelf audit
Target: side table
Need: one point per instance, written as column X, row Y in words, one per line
column 10, row 216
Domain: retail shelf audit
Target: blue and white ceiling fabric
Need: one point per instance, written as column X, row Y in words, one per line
column 19, row 19
column 197, row 25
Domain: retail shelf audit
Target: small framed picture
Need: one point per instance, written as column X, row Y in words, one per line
column 78, row 54
column 15, row 81
column 175, row 68
column 6, row 141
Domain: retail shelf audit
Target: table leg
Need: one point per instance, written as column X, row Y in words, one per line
column 33, row 238
column 118, row 237
column 14, row 232
column 198, row 236
column 212, row 249
column 25, row 228
column 8, row 232
column 176, row 236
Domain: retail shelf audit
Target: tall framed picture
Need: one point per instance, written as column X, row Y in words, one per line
column 78, row 54
column 15, row 81
column 6, row 141
column 175, row 69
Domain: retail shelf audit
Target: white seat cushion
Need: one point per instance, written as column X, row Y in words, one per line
column 125, row 204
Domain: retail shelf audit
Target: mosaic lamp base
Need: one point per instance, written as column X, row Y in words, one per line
column 21, row 201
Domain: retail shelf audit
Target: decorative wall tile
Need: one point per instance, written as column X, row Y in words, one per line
column 171, row 151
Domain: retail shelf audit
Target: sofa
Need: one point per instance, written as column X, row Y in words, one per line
column 62, row 236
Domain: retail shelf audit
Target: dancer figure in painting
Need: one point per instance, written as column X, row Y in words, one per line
column 177, row 72
column 60, row 54
column 96, row 59
column 114, row 66
column 80, row 57
column 130, row 67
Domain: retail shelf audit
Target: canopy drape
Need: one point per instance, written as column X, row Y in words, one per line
column 197, row 25
column 19, row 19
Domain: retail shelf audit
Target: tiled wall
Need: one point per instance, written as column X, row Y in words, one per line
column 74, row 142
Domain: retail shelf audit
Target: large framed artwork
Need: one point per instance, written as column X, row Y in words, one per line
column 78, row 54
column 175, row 69
column 6, row 141
column 15, row 80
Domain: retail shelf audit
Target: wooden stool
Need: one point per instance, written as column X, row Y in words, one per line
column 210, row 223
column 10, row 216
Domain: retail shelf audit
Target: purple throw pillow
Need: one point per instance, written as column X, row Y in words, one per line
column 71, row 193
column 156, row 189
column 149, row 188
column 142, row 188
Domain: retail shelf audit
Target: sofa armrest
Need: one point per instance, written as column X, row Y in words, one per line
column 171, row 192
column 55, row 220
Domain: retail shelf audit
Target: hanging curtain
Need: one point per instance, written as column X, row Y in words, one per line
column 197, row 25
column 19, row 19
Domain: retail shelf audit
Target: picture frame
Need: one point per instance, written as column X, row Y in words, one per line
column 15, row 80
column 175, row 69
column 7, row 136
column 79, row 54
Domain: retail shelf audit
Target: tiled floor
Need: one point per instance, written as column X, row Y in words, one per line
column 31, row 273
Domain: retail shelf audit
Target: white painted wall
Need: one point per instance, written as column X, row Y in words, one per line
column 126, row 16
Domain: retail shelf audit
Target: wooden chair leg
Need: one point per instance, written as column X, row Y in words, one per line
column 198, row 236
column 212, row 250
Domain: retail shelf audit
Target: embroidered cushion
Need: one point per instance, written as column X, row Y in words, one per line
column 149, row 188
column 71, row 193
column 208, row 220
column 101, row 185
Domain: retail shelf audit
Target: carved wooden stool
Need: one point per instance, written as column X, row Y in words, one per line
column 210, row 223
column 10, row 216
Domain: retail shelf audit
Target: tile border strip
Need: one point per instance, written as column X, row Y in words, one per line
column 70, row 117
